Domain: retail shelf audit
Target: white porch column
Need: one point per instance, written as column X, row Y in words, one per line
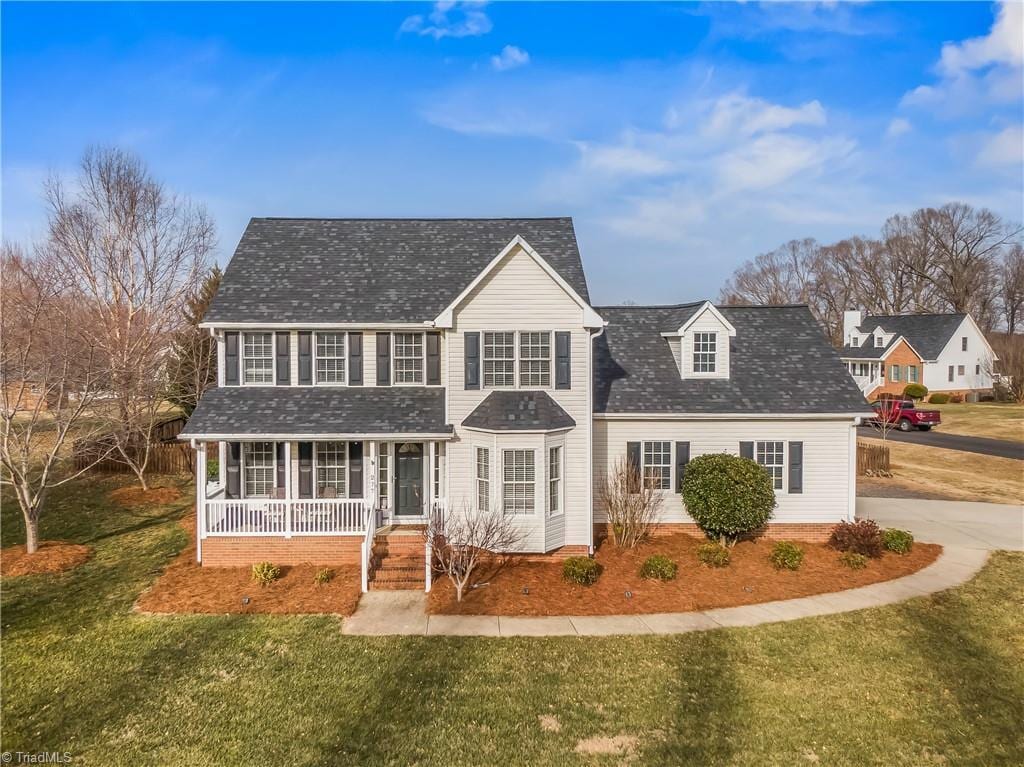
column 371, row 484
column 431, row 465
column 200, row 498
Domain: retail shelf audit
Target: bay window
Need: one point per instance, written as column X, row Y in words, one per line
column 518, row 481
column 483, row 479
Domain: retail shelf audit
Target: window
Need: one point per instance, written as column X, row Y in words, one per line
column 879, row 342
column 258, row 358
column 409, row 358
column 950, row 372
column 331, row 467
column 894, row 372
column 705, row 347
column 658, row 464
column 977, row 370
column 330, row 358
column 963, row 344
column 483, row 479
column 258, row 459
column 499, row 359
column 912, row 373
column 854, row 340
column 771, row 456
column 959, row 370
column 383, row 479
column 535, row 359
column 555, row 480
column 518, row 477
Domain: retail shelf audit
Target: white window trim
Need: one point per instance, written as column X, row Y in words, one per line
column 385, row 452
column 517, row 360
column 316, row 357
column 242, row 467
column 316, row 468
column 423, row 366
column 273, row 358
column 693, row 354
column 784, row 465
column 517, row 515
column 489, row 479
column 549, row 446
column 644, row 464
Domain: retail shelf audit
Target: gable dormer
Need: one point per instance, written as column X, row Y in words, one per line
column 701, row 345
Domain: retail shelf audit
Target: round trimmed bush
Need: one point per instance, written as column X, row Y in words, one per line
column 581, row 570
column 786, row 556
column 265, row 573
column 898, row 541
column 713, row 554
column 727, row 496
column 659, row 567
column 853, row 560
column 915, row 391
column 939, row 398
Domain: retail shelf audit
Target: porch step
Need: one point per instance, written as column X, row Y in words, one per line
column 398, row 561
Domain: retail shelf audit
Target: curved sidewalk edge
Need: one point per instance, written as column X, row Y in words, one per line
column 383, row 613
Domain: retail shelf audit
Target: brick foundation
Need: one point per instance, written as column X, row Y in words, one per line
column 239, row 551
column 810, row 532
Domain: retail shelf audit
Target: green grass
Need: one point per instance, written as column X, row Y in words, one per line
column 935, row 680
column 997, row 420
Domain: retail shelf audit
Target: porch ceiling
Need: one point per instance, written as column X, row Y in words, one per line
column 318, row 411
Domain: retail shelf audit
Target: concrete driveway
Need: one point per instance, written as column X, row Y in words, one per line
column 951, row 523
column 1003, row 448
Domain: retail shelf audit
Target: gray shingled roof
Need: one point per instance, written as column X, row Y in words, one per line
column 374, row 270
column 316, row 410
column 927, row 333
column 519, row 411
column 780, row 362
column 868, row 351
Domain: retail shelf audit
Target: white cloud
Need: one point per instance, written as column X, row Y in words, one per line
column 1004, row 149
column 897, row 127
column 736, row 113
column 450, row 19
column 510, row 57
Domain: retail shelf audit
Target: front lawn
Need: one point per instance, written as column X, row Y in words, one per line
column 935, row 680
column 997, row 420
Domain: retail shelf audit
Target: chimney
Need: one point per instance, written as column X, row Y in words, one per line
column 851, row 321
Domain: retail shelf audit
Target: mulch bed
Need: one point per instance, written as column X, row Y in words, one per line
column 749, row 579
column 50, row 557
column 186, row 587
column 136, row 496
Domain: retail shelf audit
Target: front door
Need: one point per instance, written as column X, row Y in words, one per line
column 409, row 479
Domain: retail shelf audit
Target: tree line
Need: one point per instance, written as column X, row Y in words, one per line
column 955, row 258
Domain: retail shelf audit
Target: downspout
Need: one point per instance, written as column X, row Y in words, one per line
column 590, row 438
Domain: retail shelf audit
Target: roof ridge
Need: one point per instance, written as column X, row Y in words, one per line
column 919, row 314
column 410, row 218
column 698, row 303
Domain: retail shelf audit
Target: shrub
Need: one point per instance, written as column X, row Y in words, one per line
column 323, row 575
column 915, row 391
column 659, row 567
column 713, row 554
column 581, row 570
column 786, row 556
column 899, row 541
column 265, row 572
column 862, row 537
column 939, row 398
column 853, row 560
column 212, row 469
column 727, row 496
column 956, row 398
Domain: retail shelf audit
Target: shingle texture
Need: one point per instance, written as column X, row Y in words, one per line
column 927, row 333
column 519, row 411
column 780, row 362
column 315, row 410
column 374, row 270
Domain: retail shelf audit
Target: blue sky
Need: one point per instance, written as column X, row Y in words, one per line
column 683, row 139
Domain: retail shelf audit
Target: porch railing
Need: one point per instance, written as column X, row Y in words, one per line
column 295, row 516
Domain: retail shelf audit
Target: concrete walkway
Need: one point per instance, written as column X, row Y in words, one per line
column 952, row 523
column 385, row 613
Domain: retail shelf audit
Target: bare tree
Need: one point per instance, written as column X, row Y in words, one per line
column 137, row 252
column 460, row 541
column 1009, row 348
column 632, row 503
column 49, row 377
column 1011, row 287
column 192, row 361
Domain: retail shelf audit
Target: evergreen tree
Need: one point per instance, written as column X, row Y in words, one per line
column 192, row 361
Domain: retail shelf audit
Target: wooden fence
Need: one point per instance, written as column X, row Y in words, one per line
column 163, row 459
column 872, row 460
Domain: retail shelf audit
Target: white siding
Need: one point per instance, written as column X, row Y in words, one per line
column 706, row 322
column 936, row 375
column 826, row 495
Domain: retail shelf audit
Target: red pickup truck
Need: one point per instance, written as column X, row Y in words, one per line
column 904, row 415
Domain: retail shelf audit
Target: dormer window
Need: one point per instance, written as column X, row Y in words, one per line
column 705, row 351
column 854, row 340
column 879, row 342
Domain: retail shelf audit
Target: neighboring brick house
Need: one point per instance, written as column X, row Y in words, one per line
column 371, row 372
column 945, row 352
column 24, row 397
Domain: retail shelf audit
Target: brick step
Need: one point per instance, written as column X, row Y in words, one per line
column 399, row 545
column 404, row 560
column 397, row 585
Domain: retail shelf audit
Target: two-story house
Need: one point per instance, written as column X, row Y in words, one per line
column 945, row 352
column 370, row 371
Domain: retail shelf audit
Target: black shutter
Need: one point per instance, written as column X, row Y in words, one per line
column 633, row 460
column 433, row 359
column 563, row 360
column 355, row 469
column 305, row 358
column 231, row 359
column 472, row 341
column 383, row 359
column 232, row 469
column 796, row 467
column 305, row 470
column 747, row 450
column 284, row 373
column 682, row 458
column 355, row 359
column 282, row 467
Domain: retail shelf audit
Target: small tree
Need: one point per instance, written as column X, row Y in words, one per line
column 1009, row 347
column 460, row 541
column 631, row 502
column 191, row 364
column 728, row 496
